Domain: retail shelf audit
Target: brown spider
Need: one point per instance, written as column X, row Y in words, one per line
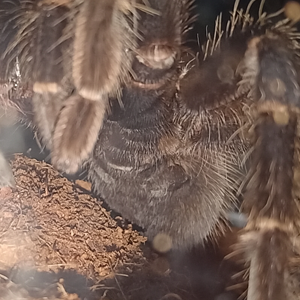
column 170, row 135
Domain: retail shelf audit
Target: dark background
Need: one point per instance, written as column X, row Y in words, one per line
column 208, row 10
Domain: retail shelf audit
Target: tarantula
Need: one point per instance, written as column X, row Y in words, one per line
column 171, row 135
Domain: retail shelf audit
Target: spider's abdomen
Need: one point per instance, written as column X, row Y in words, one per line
column 169, row 167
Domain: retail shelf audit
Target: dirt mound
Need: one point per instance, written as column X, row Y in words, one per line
column 58, row 242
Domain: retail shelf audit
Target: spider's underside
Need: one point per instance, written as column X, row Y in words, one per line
column 170, row 135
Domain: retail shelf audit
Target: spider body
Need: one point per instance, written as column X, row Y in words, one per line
column 176, row 134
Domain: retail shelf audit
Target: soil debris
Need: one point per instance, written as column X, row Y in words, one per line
column 57, row 241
